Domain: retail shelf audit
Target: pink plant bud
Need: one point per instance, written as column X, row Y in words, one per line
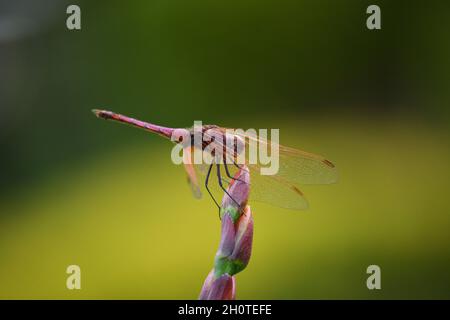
column 243, row 238
column 206, row 286
column 226, row 246
column 221, row 288
column 235, row 245
column 239, row 189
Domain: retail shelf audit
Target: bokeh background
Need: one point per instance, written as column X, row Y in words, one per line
column 77, row 190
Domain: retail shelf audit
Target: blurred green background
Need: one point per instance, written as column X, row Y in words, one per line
column 77, row 190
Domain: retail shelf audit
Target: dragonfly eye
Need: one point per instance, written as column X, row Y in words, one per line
column 181, row 136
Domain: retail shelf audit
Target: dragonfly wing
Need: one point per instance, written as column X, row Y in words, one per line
column 191, row 173
column 268, row 189
column 197, row 174
column 295, row 166
column 305, row 168
column 275, row 191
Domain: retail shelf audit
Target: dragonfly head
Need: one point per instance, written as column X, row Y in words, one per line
column 182, row 136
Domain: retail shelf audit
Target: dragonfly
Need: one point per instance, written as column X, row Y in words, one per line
column 296, row 167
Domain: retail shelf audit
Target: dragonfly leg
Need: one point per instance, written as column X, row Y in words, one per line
column 228, row 173
column 234, row 162
column 219, row 177
column 239, row 167
column 207, row 188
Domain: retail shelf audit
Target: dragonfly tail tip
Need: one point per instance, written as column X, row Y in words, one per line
column 96, row 112
column 102, row 113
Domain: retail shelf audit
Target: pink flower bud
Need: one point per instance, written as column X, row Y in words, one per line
column 243, row 238
column 226, row 246
column 221, row 288
column 235, row 245
column 239, row 190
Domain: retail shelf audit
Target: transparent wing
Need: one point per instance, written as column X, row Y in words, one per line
column 268, row 189
column 192, row 176
column 296, row 167
column 275, row 191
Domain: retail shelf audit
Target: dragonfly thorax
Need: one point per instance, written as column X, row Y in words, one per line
column 217, row 141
